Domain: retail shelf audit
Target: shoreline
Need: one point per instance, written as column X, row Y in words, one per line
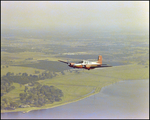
column 93, row 92
column 63, row 103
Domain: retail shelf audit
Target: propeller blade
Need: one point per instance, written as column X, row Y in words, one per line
column 63, row 61
column 68, row 62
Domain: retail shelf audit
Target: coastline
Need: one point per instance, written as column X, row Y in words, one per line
column 57, row 105
column 93, row 92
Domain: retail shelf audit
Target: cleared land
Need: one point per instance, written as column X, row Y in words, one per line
column 21, row 54
column 76, row 86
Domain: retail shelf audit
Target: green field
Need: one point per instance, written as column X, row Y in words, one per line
column 22, row 55
column 76, row 86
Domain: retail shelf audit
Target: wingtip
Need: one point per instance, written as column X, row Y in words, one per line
column 59, row 60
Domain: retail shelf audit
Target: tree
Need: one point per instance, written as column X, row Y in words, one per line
column 24, row 74
column 40, row 76
column 8, row 74
column 36, row 72
column 22, row 96
column 3, row 105
column 26, row 88
column 40, row 103
column 40, row 95
column 6, row 100
column 14, row 104
column 62, row 73
column 57, row 98
column 10, row 88
column 12, row 74
column 39, row 86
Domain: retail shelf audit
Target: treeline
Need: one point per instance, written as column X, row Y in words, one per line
column 36, row 96
column 6, row 86
column 25, row 78
column 8, row 79
column 33, row 97
column 8, row 104
column 5, row 66
column 21, row 79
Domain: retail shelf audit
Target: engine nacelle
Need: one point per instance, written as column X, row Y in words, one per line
column 88, row 67
column 71, row 64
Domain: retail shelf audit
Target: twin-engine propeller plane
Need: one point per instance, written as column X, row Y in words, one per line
column 87, row 64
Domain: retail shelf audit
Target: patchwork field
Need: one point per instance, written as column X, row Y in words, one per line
column 128, row 53
column 76, row 86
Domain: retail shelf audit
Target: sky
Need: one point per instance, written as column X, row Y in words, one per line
column 74, row 14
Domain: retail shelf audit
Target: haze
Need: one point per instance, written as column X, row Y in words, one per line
column 89, row 14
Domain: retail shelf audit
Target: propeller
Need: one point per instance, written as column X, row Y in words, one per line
column 68, row 63
column 63, row 61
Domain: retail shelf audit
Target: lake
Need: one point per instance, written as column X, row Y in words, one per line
column 124, row 99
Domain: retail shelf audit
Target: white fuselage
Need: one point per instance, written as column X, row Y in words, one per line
column 86, row 63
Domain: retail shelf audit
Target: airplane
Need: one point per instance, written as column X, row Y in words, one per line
column 85, row 64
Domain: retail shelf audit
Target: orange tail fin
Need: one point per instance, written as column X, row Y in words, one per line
column 99, row 59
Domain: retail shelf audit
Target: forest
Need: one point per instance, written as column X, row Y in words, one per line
column 33, row 97
column 23, row 78
column 36, row 96
column 31, row 71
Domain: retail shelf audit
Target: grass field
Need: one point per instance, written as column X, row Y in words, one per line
column 21, row 53
column 76, row 86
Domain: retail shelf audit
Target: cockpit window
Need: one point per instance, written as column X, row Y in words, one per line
column 80, row 62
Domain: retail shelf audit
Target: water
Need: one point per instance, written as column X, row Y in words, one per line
column 125, row 99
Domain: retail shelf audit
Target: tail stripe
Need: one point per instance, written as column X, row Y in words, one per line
column 99, row 59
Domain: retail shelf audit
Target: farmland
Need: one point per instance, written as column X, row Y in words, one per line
column 20, row 55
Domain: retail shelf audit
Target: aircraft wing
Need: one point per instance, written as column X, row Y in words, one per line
column 63, row 61
column 106, row 66
column 103, row 65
